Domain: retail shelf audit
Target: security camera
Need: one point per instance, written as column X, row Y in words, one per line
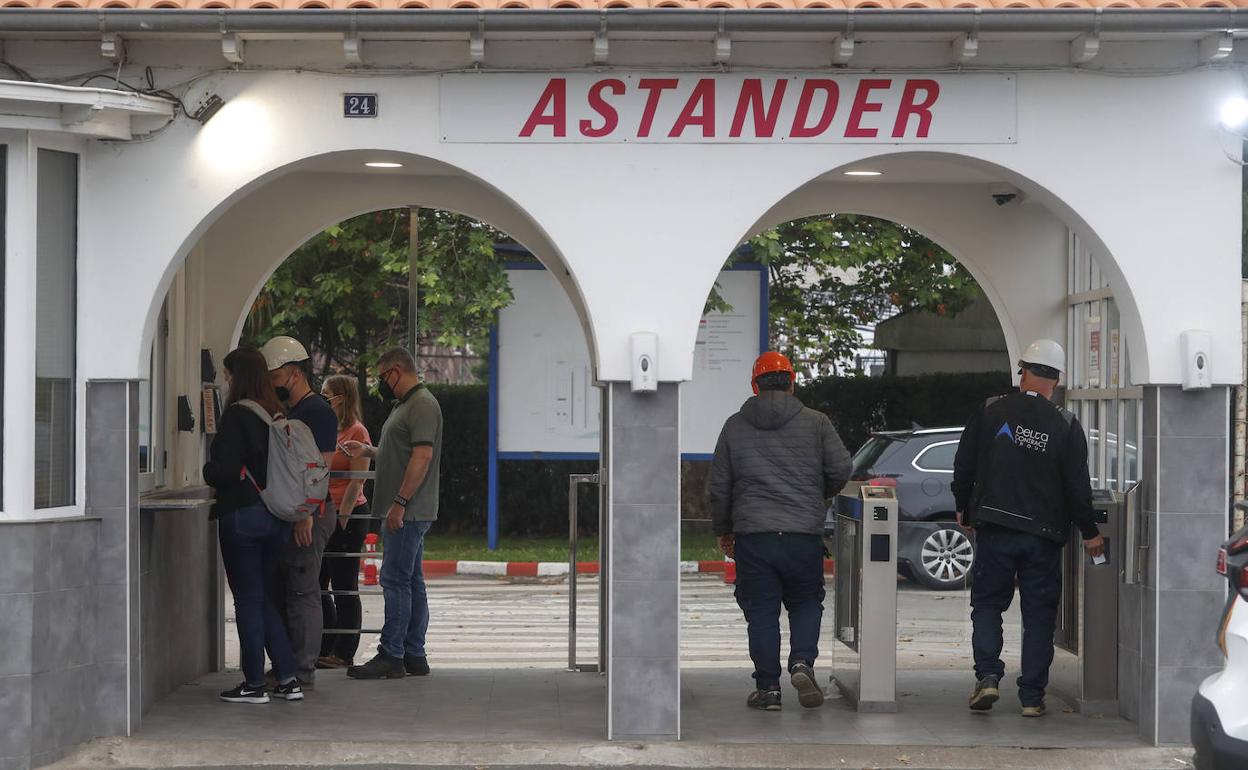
column 1003, row 198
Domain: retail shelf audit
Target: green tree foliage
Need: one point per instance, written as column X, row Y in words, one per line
column 344, row 293
column 832, row 274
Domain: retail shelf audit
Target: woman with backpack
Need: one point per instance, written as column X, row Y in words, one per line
column 251, row 537
column 343, row 610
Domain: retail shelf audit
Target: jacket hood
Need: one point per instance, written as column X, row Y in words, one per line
column 771, row 409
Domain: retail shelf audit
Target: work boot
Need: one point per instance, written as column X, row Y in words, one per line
column 809, row 693
column 382, row 666
column 1035, row 710
column 986, row 694
column 416, row 665
column 764, row 700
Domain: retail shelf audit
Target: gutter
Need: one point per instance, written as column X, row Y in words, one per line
column 1128, row 21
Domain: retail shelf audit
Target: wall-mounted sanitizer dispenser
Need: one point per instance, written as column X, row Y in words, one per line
column 1195, row 347
column 644, row 349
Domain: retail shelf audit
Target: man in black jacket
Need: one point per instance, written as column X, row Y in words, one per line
column 1020, row 479
column 775, row 465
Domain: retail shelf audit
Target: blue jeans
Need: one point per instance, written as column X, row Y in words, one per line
column 403, row 587
column 251, row 544
column 1002, row 558
column 773, row 569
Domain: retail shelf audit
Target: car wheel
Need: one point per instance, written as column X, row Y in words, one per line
column 944, row 559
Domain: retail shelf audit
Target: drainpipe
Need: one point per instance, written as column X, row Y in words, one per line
column 1241, row 413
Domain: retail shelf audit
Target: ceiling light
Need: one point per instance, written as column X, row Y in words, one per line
column 1235, row 112
column 383, row 164
column 863, row 173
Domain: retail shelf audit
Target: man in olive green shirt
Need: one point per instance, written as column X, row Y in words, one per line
column 406, row 494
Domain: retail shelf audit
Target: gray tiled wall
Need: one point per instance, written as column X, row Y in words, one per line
column 1184, row 455
column 643, row 689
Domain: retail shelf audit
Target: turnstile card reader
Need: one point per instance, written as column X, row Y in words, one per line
column 865, row 598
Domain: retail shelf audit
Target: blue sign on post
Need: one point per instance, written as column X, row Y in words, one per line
column 359, row 105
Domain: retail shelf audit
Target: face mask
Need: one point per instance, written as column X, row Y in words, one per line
column 387, row 392
column 283, row 392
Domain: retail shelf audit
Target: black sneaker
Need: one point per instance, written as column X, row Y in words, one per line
column 986, row 694
column 382, row 666
column 809, row 694
column 416, row 665
column 764, row 700
column 245, row 693
column 289, row 691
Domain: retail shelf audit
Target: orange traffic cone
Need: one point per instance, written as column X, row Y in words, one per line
column 370, row 562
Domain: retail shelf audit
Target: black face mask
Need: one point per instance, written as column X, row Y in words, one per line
column 387, row 392
column 283, row 393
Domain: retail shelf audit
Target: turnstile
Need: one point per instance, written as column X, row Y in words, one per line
column 1087, row 620
column 865, row 598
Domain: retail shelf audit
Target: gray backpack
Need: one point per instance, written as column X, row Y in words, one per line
column 297, row 477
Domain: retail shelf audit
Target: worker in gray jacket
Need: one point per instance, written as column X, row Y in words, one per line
column 775, row 465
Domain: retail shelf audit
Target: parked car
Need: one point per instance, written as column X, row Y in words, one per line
column 931, row 549
column 1219, row 710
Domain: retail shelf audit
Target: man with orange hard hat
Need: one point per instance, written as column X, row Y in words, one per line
column 775, row 465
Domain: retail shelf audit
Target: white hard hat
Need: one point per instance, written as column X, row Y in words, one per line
column 1045, row 353
column 280, row 351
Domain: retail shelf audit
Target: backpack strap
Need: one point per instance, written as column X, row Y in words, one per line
column 263, row 414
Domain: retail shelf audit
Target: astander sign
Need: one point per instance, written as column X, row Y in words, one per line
column 728, row 108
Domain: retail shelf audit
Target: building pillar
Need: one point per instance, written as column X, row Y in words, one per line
column 643, row 563
column 1185, row 467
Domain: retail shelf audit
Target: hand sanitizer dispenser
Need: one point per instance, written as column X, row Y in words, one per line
column 644, row 349
column 1195, row 347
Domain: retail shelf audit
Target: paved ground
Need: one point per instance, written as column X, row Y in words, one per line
column 499, row 697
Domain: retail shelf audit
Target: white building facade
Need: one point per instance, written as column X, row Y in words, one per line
column 630, row 151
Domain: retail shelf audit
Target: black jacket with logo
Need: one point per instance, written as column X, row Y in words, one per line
column 1022, row 464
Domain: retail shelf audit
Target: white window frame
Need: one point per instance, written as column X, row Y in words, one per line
column 154, row 477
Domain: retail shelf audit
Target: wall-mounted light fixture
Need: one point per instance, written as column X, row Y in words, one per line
column 210, row 106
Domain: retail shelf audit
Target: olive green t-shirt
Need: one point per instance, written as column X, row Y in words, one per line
column 415, row 421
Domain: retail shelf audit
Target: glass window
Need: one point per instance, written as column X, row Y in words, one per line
column 145, row 418
column 56, row 276
column 1131, row 442
column 1112, row 450
column 937, row 457
column 1091, row 423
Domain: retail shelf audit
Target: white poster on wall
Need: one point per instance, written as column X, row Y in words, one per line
column 546, row 399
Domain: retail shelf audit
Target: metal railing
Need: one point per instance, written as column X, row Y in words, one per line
column 378, row 555
column 575, row 481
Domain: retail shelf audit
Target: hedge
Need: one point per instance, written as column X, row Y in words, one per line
column 533, row 496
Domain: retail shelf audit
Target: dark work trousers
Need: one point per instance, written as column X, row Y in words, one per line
column 251, row 544
column 342, row 573
column 1003, row 557
column 772, row 569
column 298, row 593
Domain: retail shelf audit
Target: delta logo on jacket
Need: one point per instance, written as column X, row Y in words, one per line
column 1028, row 438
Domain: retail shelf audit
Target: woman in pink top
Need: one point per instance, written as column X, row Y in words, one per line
column 343, row 611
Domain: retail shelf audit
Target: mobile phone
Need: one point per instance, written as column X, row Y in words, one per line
column 343, row 448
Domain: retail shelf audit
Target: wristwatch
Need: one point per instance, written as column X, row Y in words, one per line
column 401, row 500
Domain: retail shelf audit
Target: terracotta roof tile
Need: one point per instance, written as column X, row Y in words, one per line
column 597, row 4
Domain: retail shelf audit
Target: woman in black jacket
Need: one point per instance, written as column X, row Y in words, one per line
column 251, row 537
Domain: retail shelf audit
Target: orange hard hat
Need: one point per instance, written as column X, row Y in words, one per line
column 769, row 362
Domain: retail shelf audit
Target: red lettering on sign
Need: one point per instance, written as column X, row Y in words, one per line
column 909, row 106
column 751, row 100
column 610, row 117
column 554, row 99
column 703, row 95
column 861, row 105
column 801, row 129
column 656, row 87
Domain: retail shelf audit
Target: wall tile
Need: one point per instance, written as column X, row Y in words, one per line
column 17, row 558
column 110, row 698
column 64, row 630
column 111, row 622
column 106, row 405
column 1189, row 623
column 15, row 725
column 646, row 466
column 644, row 698
column 17, row 612
column 1194, row 413
column 1188, row 548
column 1193, row 475
column 15, row 763
column 1176, row 687
column 111, row 561
column 647, row 541
column 107, row 483
column 1129, row 683
column 1129, row 615
column 70, row 560
column 1151, row 396
column 660, row 409
column 646, row 618
column 60, row 715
